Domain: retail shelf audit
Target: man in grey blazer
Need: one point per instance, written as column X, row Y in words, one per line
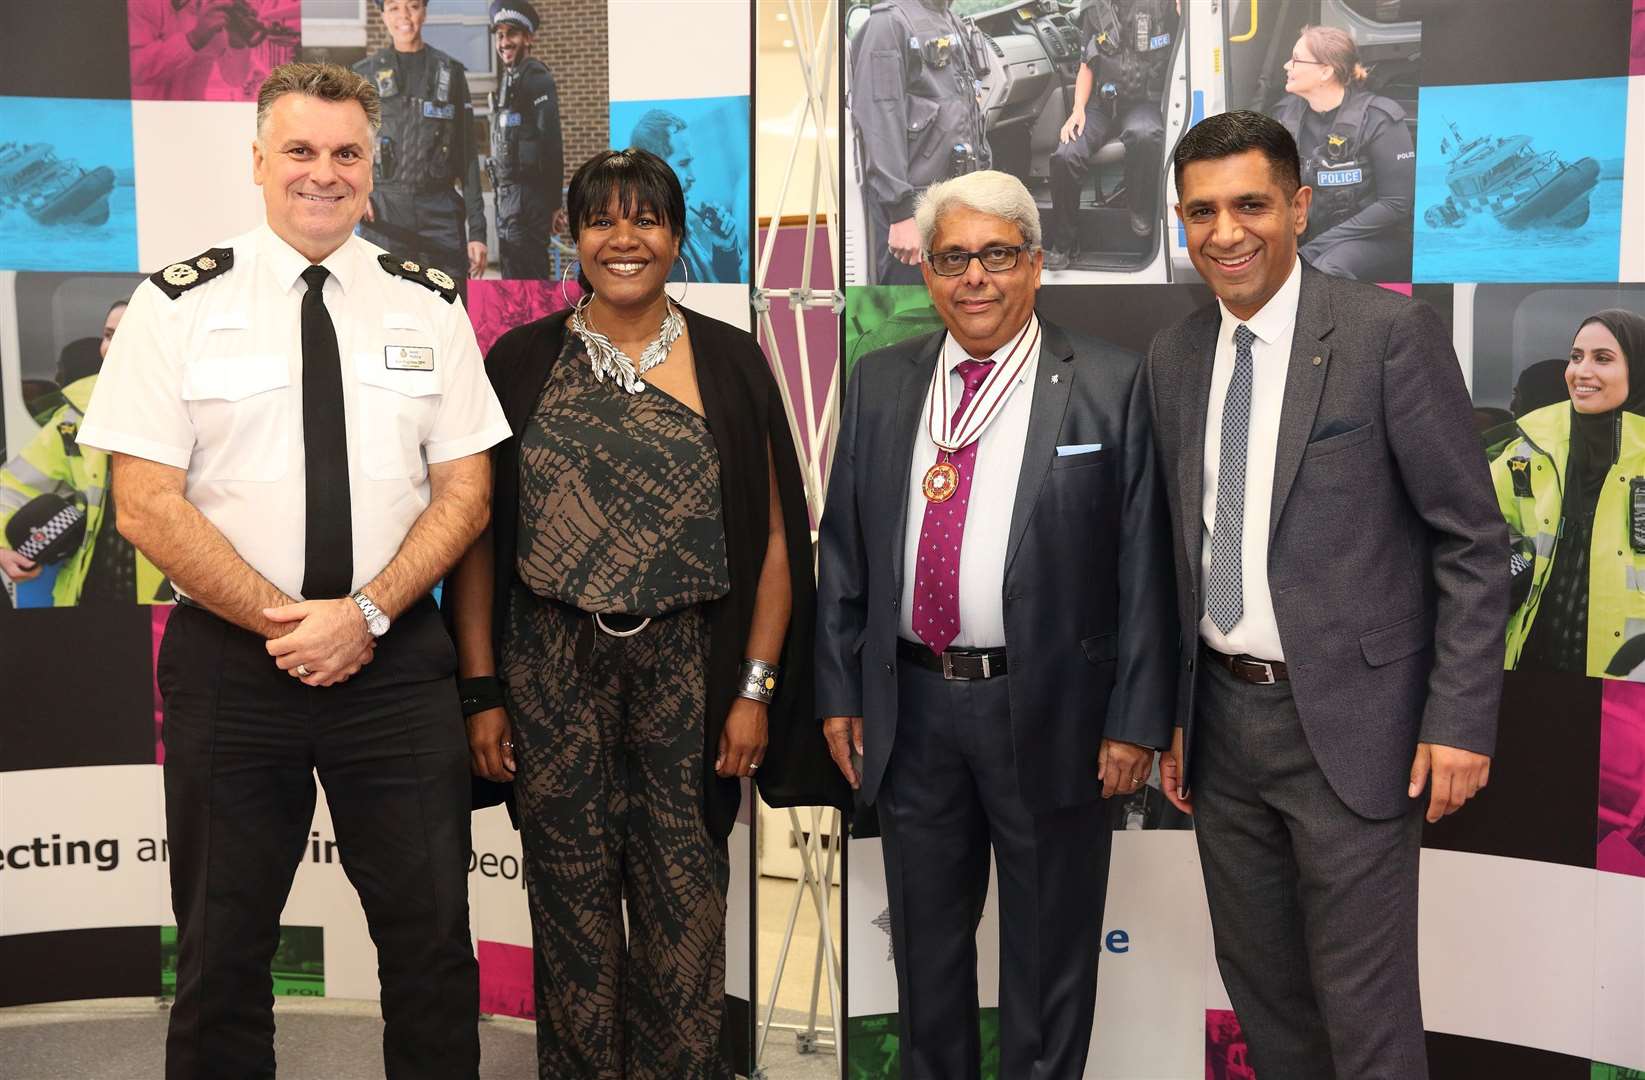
column 994, row 634
column 1342, row 588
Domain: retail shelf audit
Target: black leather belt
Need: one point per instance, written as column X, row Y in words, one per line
column 955, row 663
column 1249, row 668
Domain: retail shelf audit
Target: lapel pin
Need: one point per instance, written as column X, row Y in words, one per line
column 1055, row 376
column 1318, row 361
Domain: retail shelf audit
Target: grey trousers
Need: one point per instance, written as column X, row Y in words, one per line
column 1313, row 908
column 950, row 794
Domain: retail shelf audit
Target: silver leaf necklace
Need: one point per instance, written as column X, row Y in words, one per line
column 606, row 359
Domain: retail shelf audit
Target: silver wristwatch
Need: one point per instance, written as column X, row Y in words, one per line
column 376, row 621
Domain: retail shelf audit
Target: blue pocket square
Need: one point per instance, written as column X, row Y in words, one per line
column 1075, row 449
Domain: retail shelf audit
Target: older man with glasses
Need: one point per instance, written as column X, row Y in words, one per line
column 988, row 679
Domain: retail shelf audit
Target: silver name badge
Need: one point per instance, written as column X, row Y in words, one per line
column 408, row 358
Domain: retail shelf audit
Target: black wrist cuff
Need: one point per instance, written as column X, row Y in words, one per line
column 480, row 693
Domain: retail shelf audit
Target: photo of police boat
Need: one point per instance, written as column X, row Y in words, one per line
column 1513, row 183
column 51, row 190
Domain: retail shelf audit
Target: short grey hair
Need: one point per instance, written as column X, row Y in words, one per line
column 328, row 82
column 988, row 192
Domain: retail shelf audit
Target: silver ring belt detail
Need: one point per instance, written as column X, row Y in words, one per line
column 622, row 632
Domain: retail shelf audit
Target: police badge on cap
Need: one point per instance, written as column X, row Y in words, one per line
column 517, row 12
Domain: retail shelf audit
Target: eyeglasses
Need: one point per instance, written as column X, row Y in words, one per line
column 995, row 260
column 1300, row 60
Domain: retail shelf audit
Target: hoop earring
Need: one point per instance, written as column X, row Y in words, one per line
column 685, row 270
column 581, row 301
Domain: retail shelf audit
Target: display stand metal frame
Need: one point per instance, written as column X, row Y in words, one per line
column 813, row 433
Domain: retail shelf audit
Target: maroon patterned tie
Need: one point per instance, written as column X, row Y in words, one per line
column 937, row 574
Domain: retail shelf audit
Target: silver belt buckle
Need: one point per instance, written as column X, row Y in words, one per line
column 620, row 633
column 948, row 668
column 1267, row 671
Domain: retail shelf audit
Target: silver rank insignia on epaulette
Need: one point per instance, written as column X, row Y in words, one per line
column 429, row 277
column 180, row 277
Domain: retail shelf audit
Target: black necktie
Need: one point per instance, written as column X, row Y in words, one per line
column 328, row 557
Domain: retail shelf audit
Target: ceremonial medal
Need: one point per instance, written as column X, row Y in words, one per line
column 941, row 481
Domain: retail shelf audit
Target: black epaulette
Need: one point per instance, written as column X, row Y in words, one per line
column 429, row 277
column 179, row 278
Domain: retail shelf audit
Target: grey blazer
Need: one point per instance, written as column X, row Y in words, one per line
column 1087, row 592
column 1387, row 556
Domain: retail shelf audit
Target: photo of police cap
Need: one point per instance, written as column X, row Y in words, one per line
column 517, row 12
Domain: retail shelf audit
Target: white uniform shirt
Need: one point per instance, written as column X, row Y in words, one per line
column 212, row 382
column 993, row 494
column 1256, row 633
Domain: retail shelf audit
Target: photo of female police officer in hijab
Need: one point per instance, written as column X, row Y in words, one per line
column 1572, row 488
column 1357, row 155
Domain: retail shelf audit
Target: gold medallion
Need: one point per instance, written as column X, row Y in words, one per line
column 441, row 278
column 180, row 274
column 941, row 481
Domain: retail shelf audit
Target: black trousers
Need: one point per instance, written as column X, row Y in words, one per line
column 1313, row 908
column 949, row 795
column 888, row 269
column 1141, row 130
column 243, row 743
column 523, row 260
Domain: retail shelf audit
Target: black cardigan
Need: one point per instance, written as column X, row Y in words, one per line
column 744, row 411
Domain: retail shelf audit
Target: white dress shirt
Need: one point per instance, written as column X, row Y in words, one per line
column 993, row 494
column 212, row 382
column 1256, row 633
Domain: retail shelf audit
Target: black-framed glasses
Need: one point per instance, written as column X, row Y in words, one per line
column 1300, row 60
column 995, row 259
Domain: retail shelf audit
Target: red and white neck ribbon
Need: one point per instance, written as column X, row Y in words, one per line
column 951, row 433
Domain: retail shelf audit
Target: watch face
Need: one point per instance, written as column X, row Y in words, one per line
column 377, row 624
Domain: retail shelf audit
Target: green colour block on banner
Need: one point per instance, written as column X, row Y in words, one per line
column 1602, row 1071
column 883, row 315
column 873, row 1052
column 298, row 970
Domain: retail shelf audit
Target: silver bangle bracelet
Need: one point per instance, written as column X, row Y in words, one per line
column 757, row 681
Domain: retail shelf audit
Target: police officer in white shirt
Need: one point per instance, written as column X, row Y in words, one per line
column 299, row 423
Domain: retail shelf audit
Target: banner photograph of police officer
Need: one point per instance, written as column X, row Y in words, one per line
column 1082, row 98
column 483, row 105
column 58, row 545
column 1559, row 396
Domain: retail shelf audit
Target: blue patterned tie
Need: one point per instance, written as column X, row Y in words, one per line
column 1224, row 599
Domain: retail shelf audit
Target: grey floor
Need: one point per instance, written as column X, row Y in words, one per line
column 323, row 1039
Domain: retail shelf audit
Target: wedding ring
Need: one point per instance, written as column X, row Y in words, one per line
column 302, row 669
column 507, row 745
column 753, row 766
